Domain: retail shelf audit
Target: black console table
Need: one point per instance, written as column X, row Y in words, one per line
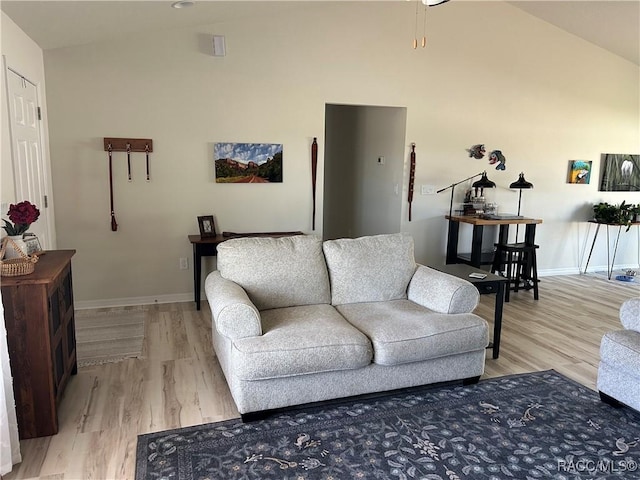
column 611, row 259
column 208, row 247
column 489, row 284
column 202, row 247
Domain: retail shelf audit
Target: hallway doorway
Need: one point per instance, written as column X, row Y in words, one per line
column 363, row 170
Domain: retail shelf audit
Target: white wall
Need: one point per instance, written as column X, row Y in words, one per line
column 339, row 171
column 24, row 56
column 491, row 74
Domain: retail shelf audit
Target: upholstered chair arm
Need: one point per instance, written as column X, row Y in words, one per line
column 234, row 315
column 630, row 314
column 441, row 292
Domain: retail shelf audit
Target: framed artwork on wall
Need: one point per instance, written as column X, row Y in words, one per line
column 207, row 226
column 248, row 162
column 579, row 172
column 620, row 173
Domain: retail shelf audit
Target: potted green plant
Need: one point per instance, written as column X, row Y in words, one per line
column 623, row 214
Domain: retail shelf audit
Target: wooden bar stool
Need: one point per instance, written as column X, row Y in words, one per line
column 517, row 262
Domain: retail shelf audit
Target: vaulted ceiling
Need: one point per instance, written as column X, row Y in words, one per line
column 612, row 25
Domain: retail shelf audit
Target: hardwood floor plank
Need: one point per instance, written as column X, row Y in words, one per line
column 59, row 454
column 186, row 392
column 170, row 404
column 177, row 381
column 99, row 457
column 152, row 414
column 33, row 452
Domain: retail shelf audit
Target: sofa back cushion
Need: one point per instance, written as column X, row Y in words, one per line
column 277, row 272
column 370, row 269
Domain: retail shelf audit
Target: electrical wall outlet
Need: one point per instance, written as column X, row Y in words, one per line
column 380, row 160
column 427, row 189
column 184, row 263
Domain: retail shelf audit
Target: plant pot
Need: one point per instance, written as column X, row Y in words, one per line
column 15, row 245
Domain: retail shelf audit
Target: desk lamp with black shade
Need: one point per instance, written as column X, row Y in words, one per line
column 520, row 184
column 481, row 184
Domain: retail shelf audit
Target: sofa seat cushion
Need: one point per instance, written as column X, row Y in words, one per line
column 402, row 331
column 300, row 340
column 370, row 269
column 277, row 272
column 621, row 350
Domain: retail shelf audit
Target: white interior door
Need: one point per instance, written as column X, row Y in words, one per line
column 28, row 165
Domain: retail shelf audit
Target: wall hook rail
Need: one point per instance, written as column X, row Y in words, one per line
column 127, row 145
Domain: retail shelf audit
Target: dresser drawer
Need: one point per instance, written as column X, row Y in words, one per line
column 487, row 287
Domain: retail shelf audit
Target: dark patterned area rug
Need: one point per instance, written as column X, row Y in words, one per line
column 530, row 426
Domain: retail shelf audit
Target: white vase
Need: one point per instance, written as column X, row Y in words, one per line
column 15, row 244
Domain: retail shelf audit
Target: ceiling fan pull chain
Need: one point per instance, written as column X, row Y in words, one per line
column 415, row 36
column 424, row 30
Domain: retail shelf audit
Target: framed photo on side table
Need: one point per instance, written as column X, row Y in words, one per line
column 207, row 226
column 33, row 244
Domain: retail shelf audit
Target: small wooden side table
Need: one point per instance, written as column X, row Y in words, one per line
column 489, row 284
column 202, row 247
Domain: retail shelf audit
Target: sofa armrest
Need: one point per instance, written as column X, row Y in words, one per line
column 234, row 315
column 630, row 314
column 441, row 292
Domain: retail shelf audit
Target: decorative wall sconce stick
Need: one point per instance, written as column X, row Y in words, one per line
column 412, row 176
column 125, row 145
column 314, row 167
column 146, row 150
column 129, row 161
column 114, row 224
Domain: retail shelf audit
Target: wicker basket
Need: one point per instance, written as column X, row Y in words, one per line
column 14, row 267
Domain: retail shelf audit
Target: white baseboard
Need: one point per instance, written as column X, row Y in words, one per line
column 551, row 272
column 132, row 301
column 592, row 269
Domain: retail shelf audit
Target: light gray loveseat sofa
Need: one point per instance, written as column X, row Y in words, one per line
column 297, row 320
column 619, row 369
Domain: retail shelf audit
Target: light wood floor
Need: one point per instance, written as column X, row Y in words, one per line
column 179, row 383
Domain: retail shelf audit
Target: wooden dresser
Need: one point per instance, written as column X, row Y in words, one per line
column 39, row 316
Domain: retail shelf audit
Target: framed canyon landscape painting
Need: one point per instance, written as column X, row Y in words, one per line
column 248, row 162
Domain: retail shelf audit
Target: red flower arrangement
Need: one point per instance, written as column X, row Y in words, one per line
column 22, row 215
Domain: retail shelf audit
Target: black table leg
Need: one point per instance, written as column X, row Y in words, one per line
column 476, row 246
column 530, row 234
column 499, row 261
column 503, row 234
column 497, row 319
column 197, row 272
column 452, row 242
column 592, row 245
